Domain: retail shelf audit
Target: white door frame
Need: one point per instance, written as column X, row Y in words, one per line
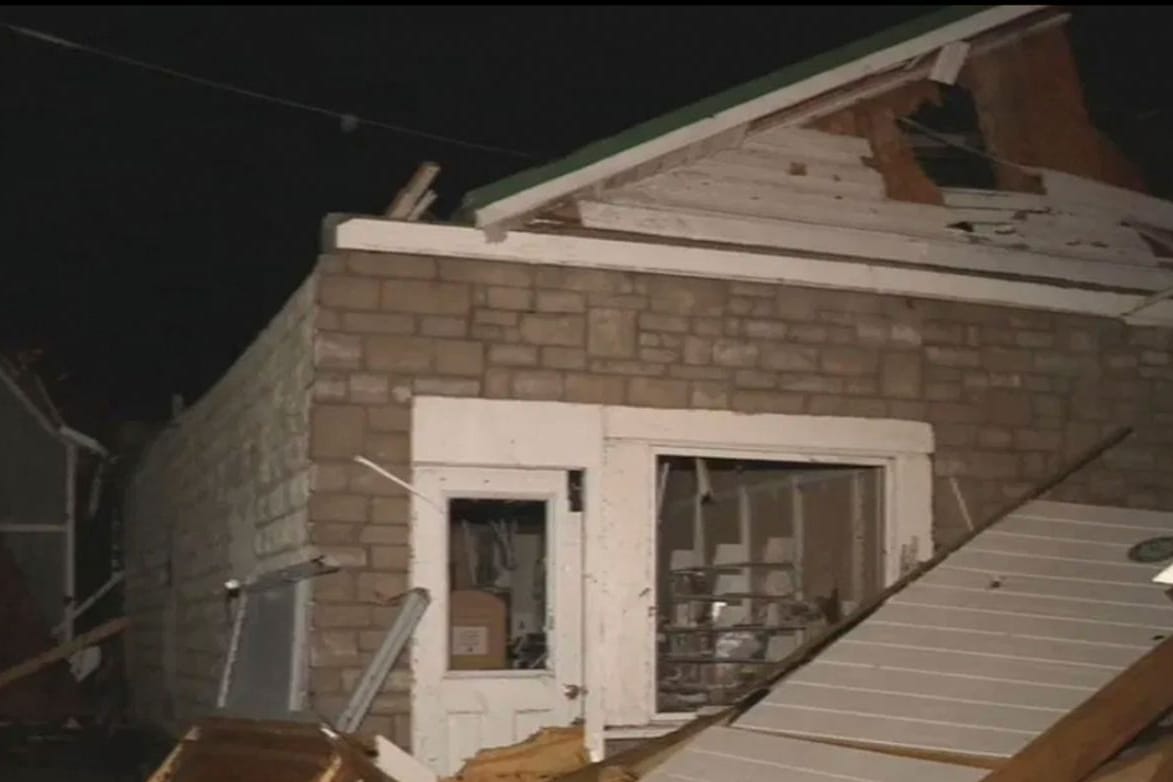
column 497, row 707
column 616, row 446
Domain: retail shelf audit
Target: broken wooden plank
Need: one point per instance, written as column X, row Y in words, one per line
column 949, row 62
column 1153, row 763
column 411, row 193
column 1086, row 737
column 399, row 764
column 548, row 754
column 63, row 651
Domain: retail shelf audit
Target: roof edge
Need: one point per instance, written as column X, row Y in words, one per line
column 534, row 187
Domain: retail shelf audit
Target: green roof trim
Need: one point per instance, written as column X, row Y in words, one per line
column 714, row 104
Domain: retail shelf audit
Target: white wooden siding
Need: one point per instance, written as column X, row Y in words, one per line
column 992, row 646
column 741, row 755
column 787, row 177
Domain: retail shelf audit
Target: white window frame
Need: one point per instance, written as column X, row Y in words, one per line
column 617, row 447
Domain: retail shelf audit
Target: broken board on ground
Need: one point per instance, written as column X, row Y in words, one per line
column 227, row 750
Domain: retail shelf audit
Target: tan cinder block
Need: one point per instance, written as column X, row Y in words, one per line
column 486, row 272
column 901, row 375
column 338, row 507
column 595, row 389
column 391, row 265
column 336, row 431
column 567, row 330
column 348, row 292
column 560, row 301
column 611, row 333
column 510, row 298
column 337, row 351
column 537, row 384
column 564, row 358
column 380, row 587
column 651, row 392
column 455, row 357
column 426, row 298
column 513, row 355
column 399, row 354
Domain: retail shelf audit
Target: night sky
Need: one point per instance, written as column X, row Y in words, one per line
column 153, row 226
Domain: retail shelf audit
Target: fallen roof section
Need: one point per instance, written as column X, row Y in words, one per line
column 1038, row 628
column 734, row 108
column 993, row 646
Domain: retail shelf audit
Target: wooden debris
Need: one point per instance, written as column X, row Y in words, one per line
column 1086, row 737
column 219, row 749
column 63, row 651
column 548, row 754
column 413, row 193
column 1151, row 764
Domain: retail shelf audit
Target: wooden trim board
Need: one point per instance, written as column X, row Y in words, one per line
column 450, row 241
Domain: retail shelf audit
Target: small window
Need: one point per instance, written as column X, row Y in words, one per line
column 497, row 575
column 754, row 557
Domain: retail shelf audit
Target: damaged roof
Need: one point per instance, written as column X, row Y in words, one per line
column 536, row 187
column 972, row 661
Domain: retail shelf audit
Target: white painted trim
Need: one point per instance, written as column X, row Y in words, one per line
column 717, row 429
column 511, row 433
column 399, row 765
column 23, row 398
column 1080, row 193
column 300, row 653
column 729, row 119
column 450, row 241
column 650, row 731
column 617, row 447
column 831, row 239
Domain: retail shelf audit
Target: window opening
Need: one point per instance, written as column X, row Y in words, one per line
column 753, row 558
column 497, row 577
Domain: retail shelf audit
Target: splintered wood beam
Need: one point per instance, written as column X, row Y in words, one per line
column 422, row 205
column 1089, row 735
column 45, row 659
column 408, row 197
column 1152, row 764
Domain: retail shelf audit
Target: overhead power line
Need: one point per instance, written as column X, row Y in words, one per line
column 348, row 120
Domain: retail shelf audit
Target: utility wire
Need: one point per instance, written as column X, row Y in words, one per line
column 348, row 120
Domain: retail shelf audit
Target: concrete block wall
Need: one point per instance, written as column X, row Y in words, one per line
column 1009, row 392
column 223, row 492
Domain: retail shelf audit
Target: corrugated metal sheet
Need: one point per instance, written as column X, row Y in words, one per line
column 993, row 645
column 977, row 657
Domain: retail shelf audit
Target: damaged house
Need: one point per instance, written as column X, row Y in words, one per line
column 672, row 405
column 50, row 481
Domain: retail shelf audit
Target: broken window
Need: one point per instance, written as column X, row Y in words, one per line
column 947, row 141
column 496, row 569
column 753, row 557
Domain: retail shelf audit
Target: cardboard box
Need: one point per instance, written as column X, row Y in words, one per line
column 477, row 631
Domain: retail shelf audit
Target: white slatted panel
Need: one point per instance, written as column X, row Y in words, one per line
column 731, row 755
column 992, row 646
column 788, row 174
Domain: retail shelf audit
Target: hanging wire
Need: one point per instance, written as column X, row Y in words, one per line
column 349, row 121
column 949, row 142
